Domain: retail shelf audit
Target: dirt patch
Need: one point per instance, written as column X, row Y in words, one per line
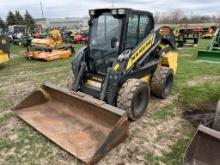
column 147, row 135
column 11, row 124
column 30, row 74
column 17, row 90
column 203, row 114
column 198, row 81
column 15, row 55
column 2, row 114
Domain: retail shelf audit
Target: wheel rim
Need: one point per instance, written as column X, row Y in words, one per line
column 168, row 84
column 140, row 102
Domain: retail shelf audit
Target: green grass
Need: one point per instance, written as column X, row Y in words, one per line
column 15, row 49
column 30, row 147
column 192, row 26
column 175, row 156
column 177, row 150
column 166, row 112
column 20, row 70
column 190, row 69
column 5, row 118
column 207, row 92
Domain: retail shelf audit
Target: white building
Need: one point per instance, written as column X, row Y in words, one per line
column 68, row 23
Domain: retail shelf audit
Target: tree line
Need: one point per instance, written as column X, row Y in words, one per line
column 178, row 16
column 17, row 19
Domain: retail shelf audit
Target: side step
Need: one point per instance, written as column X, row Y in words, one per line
column 85, row 127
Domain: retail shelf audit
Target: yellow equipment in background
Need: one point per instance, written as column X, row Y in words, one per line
column 50, row 48
column 4, row 49
column 209, row 33
column 52, row 42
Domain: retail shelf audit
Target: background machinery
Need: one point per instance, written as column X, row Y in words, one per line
column 4, row 49
column 81, row 38
column 49, row 49
column 213, row 52
column 110, row 82
column 186, row 36
column 208, row 33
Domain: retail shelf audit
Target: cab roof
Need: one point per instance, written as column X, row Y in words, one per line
column 127, row 11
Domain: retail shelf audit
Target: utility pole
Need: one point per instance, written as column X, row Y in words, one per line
column 42, row 15
column 42, row 11
column 112, row 3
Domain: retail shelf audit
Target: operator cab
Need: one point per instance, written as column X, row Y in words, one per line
column 112, row 31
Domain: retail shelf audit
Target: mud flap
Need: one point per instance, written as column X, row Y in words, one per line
column 85, row 127
column 204, row 148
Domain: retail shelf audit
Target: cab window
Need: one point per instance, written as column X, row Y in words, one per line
column 139, row 26
column 132, row 32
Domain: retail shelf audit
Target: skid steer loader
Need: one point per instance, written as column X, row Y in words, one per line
column 110, row 82
column 4, row 49
column 48, row 49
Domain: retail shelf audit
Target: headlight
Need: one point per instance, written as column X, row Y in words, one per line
column 91, row 12
column 114, row 12
column 121, row 11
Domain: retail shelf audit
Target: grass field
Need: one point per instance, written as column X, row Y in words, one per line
column 160, row 137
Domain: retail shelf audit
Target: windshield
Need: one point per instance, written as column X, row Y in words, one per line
column 105, row 28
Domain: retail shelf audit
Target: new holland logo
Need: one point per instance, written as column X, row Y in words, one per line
column 140, row 52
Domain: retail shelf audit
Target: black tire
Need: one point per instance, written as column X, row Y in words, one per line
column 216, row 124
column 162, row 82
column 71, row 81
column 28, row 58
column 134, row 96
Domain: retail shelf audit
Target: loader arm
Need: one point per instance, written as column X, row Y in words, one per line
column 142, row 61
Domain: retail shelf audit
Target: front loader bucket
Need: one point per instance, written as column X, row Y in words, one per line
column 204, row 148
column 208, row 55
column 85, row 127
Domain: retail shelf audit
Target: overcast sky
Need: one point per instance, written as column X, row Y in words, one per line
column 79, row 8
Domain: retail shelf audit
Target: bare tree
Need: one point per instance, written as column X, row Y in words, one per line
column 176, row 15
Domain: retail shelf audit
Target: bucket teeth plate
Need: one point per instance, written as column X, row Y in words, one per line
column 85, row 127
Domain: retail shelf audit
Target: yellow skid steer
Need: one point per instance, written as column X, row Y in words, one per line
column 4, row 49
column 110, row 82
